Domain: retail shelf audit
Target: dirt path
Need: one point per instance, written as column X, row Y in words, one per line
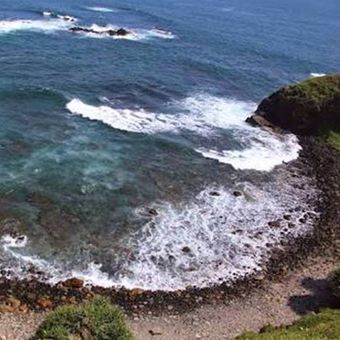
column 279, row 303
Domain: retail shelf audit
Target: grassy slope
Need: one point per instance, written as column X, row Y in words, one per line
column 317, row 91
column 322, row 326
column 333, row 138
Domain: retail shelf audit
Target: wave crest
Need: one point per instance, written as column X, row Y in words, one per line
column 317, row 75
column 101, row 9
column 206, row 116
column 8, row 26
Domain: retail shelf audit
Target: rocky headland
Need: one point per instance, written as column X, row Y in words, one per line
column 307, row 108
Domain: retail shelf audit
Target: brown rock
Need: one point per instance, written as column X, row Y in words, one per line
column 14, row 302
column 6, row 308
column 135, row 292
column 23, row 309
column 44, row 302
column 73, row 283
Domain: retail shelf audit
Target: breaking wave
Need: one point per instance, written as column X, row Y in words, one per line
column 59, row 16
column 316, row 75
column 206, row 116
column 50, row 25
column 102, row 9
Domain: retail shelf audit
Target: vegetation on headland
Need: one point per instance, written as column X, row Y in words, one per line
column 94, row 320
column 321, row 326
column 310, row 107
column 333, row 138
column 318, row 92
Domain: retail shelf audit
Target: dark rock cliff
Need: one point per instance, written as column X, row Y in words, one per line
column 306, row 108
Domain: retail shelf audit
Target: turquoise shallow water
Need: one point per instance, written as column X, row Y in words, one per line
column 95, row 132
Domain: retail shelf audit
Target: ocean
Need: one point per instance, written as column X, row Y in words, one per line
column 126, row 161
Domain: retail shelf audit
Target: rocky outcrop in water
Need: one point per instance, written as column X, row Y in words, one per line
column 306, row 108
column 110, row 32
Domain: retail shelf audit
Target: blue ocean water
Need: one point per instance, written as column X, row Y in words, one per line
column 110, row 148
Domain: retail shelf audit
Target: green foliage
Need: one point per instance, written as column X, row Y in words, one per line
column 94, row 320
column 334, row 282
column 322, row 326
column 316, row 92
column 333, row 139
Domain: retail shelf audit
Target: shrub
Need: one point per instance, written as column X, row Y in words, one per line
column 333, row 138
column 334, row 282
column 322, row 326
column 94, row 320
column 318, row 91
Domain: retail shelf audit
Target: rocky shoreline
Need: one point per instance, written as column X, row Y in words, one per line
column 316, row 158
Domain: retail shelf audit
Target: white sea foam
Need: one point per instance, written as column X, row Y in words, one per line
column 11, row 245
column 122, row 119
column 92, row 276
column 212, row 238
column 14, row 242
column 59, row 16
column 54, row 272
column 204, row 115
column 102, row 9
column 316, row 75
column 215, row 237
column 8, row 26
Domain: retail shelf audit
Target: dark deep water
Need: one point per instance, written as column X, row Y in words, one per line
column 95, row 132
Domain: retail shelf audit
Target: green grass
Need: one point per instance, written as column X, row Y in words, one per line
column 333, row 139
column 317, row 92
column 322, row 326
column 94, row 320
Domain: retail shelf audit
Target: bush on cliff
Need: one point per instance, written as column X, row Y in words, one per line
column 94, row 320
column 322, row 326
column 333, row 138
column 309, row 107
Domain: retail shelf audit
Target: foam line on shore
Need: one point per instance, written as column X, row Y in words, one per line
column 223, row 237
